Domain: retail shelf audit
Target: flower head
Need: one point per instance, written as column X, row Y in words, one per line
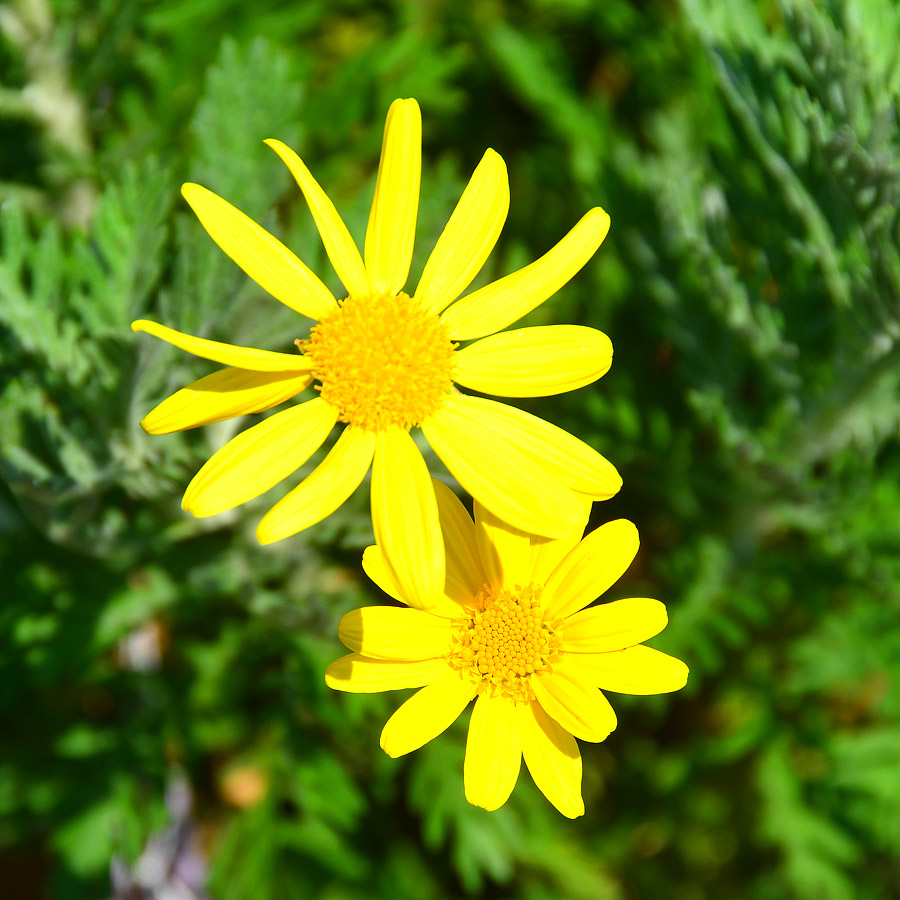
column 384, row 361
column 512, row 632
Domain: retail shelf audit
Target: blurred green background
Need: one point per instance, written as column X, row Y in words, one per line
column 749, row 155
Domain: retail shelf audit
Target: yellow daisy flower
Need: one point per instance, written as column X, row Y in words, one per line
column 385, row 361
column 511, row 630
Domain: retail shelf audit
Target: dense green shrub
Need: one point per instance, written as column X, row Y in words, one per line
column 749, row 155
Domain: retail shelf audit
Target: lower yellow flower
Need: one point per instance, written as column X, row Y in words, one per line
column 511, row 629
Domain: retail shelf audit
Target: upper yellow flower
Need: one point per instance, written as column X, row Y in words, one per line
column 510, row 629
column 386, row 361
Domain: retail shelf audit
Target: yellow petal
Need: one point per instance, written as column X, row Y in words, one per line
column 389, row 632
column 534, row 362
column 258, row 458
column 392, row 222
column 339, row 246
column 613, row 626
column 493, row 752
column 405, row 518
column 465, row 575
column 261, row 255
column 469, row 236
column 636, row 670
column 376, row 567
column 426, row 714
column 505, row 551
column 503, row 302
column 552, row 757
column 596, row 564
column 581, row 709
column 324, row 490
column 223, row 395
column 228, row 354
column 358, row 675
column 493, row 468
column 576, row 465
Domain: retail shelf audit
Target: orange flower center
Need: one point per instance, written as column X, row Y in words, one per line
column 381, row 361
column 502, row 644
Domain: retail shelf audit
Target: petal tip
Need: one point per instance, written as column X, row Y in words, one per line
column 151, row 426
column 495, row 158
column 601, row 216
column 189, row 504
column 615, row 483
column 571, row 806
column 388, row 746
column 627, row 529
column 265, row 534
column 481, row 803
column 332, row 680
column 280, row 147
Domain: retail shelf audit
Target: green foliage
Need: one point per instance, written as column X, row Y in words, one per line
column 749, row 155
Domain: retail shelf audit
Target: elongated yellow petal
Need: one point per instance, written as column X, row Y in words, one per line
column 339, row 246
column 223, row 395
column 613, row 626
column 562, row 455
column 581, row 709
column 505, row 551
column 465, row 574
column 405, row 518
column 375, row 566
column 228, row 354
column 261, row 255
column 388, row 632
column 635, row 670
column 552, row 757
column 464, row 577
column 503, row 302
column 357, row 674
column 493, row 752
column 391, row 231
column 427, row 714
column 534, row 362
column 493, row 468
column 469, row 236
column 324, row 490
column 258, row 458
column 596, row 564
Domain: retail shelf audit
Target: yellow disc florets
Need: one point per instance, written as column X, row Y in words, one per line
column 381, row 361
column 505, row 641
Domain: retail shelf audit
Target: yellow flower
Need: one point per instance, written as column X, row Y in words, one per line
column 511, row 630
column 386, row 361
